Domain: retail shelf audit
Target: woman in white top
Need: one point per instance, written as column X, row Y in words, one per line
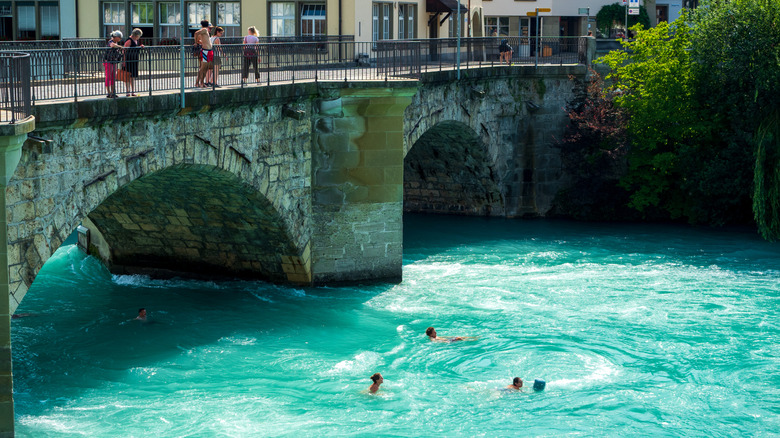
column 212, row 75
column 251, row 54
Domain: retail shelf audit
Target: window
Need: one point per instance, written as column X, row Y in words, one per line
column 386, row 34
column 113, row 18
column 454, row 24
column 497, row 26
column 142, row 14
column 6, row 22
column 142, row 17
column 406, row 16
column 382, row 17
column 313, row 20
column 198, row 12
column 170, row 20
column 375, row 22
column 26, row 21
column 50, row 21
column 283, row 19
column 229, row 17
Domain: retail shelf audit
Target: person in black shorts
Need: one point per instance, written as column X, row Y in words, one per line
column 505, row 52
column 132, row 55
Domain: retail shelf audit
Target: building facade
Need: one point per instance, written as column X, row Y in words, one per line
column 367, row 20
column 37, row 20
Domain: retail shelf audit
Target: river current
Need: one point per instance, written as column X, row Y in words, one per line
column 637, row 330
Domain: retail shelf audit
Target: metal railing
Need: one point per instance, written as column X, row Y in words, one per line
column 76, row 73
column 441, row 53
column 15, row 87
column 84, row 43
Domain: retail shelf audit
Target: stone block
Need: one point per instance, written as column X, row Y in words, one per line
column 382, row 158
column 385, row 193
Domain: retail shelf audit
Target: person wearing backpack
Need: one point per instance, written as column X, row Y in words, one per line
column 111, row 59
column 505, row 52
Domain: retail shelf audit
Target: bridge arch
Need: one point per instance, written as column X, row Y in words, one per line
column 99, row 173
column 449, row 171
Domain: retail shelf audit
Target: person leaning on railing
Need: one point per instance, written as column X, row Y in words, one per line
column 132, row 54
column 111, row 60
column 251, row 54
column 213, row 74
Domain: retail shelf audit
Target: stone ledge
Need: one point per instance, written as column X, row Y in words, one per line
column 19, row 128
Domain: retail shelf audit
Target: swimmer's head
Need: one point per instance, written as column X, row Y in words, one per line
column 517, row 382
column 377, row 378
column 430, row 331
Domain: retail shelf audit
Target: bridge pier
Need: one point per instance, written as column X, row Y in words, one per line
column 12, row 137
column 357, row 185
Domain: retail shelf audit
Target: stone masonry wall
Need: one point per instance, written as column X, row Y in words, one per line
column 357, row 185
column 59, row 183
column 516, row 113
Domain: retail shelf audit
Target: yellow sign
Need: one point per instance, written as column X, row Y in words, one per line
column 533, row 14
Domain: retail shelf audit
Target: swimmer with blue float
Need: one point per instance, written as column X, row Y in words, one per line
column 517, row 384
column 431, row 333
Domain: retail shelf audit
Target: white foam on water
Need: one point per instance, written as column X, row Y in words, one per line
column 261, row 298
column 239, row 340
column 362, row 363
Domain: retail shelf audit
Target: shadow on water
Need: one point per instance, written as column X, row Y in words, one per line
column 692, row 245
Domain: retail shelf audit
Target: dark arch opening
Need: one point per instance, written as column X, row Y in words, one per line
column 194, row 221
column 448, row 171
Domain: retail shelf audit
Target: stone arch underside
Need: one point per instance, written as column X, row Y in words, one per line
column 449, row 171
column 194, row 220
column 57, row 185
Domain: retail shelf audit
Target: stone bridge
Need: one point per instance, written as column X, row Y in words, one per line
column 298, row 183
column 303, row 183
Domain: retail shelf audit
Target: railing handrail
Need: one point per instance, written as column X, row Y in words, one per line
column 76, row 73
column 15, row 91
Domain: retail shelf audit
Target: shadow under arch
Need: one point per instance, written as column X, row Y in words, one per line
column 448, row 171
column 197, row 221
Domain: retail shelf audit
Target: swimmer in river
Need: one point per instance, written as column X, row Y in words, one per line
column 141, row 314
column 377, row 379
column 431, row 333
column 517, row 384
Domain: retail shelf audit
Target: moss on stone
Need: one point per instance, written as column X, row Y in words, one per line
column 541, row 88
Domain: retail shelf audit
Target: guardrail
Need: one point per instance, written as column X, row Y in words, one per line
column 84, row 43
column 16, row 96
column 441, row 53
column 74, row 73
column 77, row 73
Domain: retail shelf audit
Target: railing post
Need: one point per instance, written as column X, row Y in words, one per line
column 149, row 70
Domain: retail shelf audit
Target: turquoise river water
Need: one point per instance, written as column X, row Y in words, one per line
column 638, row 330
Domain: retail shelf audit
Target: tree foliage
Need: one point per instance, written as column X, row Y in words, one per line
column 614, row 15
column 766, row 197
column 702, row 99
column 736, row 49
column 653, row 82
column 593, row 155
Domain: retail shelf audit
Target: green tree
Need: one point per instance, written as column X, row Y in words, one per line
column 766, row 196
column 614, row 15
column 653, row 81
column 736, row 48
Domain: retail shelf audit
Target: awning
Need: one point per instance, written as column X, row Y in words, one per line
column 438, row 6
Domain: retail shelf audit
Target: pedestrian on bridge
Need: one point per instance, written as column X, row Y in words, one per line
column 111, row 60
column 132, row 55
column 251, row 54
